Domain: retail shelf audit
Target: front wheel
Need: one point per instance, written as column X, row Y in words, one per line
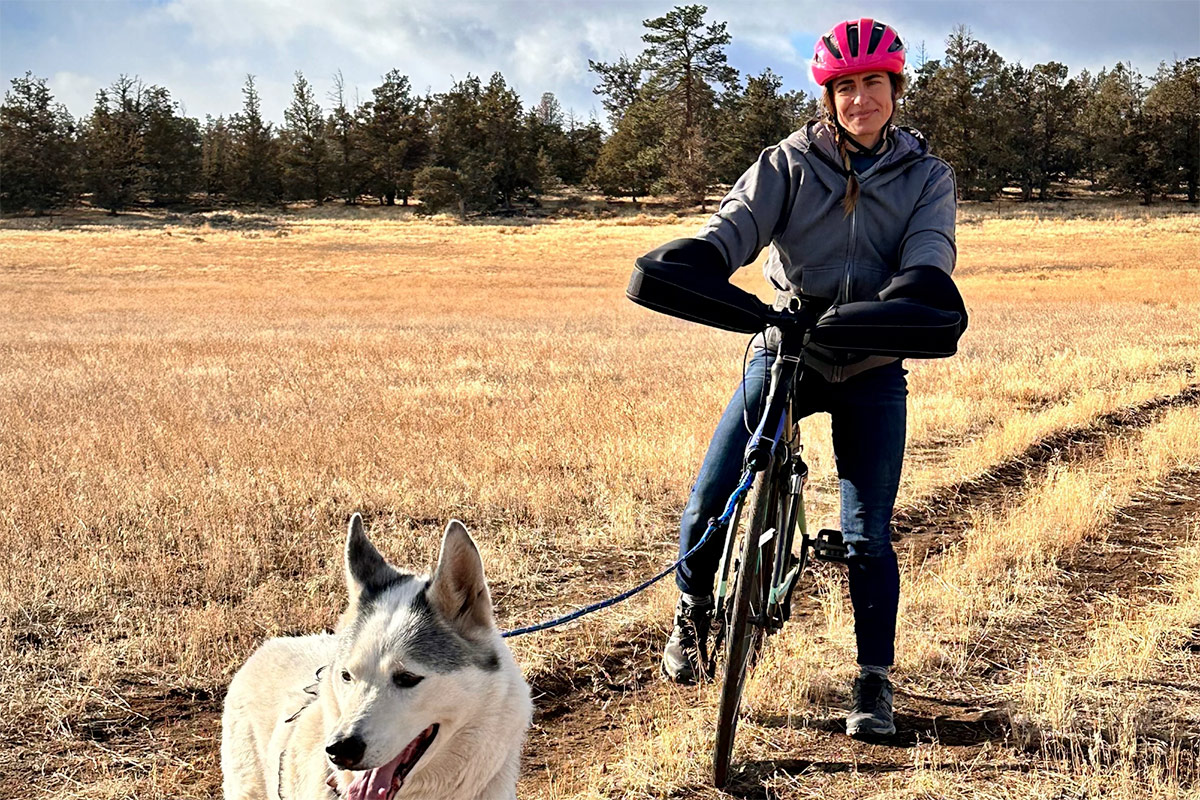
column 743, row 631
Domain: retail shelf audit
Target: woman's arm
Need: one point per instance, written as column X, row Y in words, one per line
column 929, row 237
column 750, row 213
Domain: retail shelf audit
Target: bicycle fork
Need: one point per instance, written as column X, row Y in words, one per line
column 787, row 568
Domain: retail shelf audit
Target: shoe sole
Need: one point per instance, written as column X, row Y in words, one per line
column 870, row 734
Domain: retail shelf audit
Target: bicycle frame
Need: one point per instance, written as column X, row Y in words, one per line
column 775, row 444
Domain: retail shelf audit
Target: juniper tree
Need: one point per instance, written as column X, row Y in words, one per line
column 1174, row 103
column 112, row 142
column 254, row 162
column 170, row 148
column 506, row 146
column 305, row 152
column 753, row 119
column 631, row 162
column 216, row 146
column 1127, row 142
column 581, row 149
column 37, row 148
column 956, row 103
column 548, row 141
column 395, row 137
column 344, row 134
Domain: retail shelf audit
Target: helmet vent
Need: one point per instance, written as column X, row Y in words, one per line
column 896, row 45
column 833, row 47
column 876, row 34
column 852, row 39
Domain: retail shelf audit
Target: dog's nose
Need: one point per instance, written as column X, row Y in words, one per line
column 346, row 752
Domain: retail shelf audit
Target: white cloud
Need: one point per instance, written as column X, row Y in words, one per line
column 74, row 90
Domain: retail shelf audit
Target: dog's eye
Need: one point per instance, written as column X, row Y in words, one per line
column 346, row 676
column 407, row 680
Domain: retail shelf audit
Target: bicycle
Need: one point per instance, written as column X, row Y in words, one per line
column 918, row 313
column 758, row 571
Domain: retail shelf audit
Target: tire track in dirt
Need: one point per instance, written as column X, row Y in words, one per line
column 924, row 531
column 939, row 520
column 1128, row 563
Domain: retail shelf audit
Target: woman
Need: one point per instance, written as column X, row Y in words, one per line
column 845, row 203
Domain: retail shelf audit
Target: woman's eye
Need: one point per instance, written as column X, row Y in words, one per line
column 407, row 680
column 346, row 676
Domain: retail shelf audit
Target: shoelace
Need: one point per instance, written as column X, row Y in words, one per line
column 867, row 701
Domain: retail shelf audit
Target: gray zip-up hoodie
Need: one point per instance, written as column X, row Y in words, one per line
column 791, row 199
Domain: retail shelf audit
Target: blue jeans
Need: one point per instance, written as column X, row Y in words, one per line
column 868, row 414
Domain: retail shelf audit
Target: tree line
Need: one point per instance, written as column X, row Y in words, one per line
column 680, row 121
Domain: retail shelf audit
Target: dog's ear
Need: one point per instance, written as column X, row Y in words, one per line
column 367, row 573
column 458, row 589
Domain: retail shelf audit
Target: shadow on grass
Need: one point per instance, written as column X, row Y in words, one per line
column 964, row 730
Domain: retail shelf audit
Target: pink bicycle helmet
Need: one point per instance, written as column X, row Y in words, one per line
column 857, row 45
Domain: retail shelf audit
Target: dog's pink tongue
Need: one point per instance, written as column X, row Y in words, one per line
column 374, row 785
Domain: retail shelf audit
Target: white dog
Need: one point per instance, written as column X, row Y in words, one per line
column 416, row 697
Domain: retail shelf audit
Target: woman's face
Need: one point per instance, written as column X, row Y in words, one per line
column 864, row 103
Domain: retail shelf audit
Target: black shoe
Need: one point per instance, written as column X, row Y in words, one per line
column 871, row 717
column 686, row 652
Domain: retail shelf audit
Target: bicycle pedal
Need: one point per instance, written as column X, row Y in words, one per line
column 828, row 546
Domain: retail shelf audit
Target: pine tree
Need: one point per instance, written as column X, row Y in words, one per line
column 37, row 148
column 344, row 134
column 305, row 152
column 254, row 162
column 620, row 85
column 113, row 160
column 396, row 138
column 171, row 148
column 1174, row 103
column 685, row 58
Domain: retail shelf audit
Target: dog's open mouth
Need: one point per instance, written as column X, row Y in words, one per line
column 382, row 783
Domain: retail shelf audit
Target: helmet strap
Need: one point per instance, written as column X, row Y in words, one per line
column 859, row 147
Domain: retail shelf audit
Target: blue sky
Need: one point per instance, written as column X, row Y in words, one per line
column 202, row 50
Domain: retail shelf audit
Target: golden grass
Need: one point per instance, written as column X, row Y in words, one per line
column 190, row 415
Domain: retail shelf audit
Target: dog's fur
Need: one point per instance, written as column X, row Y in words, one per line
column 280, row 730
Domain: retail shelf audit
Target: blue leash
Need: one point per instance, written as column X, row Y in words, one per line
column 721, row 522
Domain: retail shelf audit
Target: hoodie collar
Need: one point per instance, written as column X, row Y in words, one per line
column 904, row 144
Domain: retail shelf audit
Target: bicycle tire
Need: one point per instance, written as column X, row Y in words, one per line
column 742, row 637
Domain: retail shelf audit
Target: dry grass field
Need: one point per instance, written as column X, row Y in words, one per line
column 190, row 412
